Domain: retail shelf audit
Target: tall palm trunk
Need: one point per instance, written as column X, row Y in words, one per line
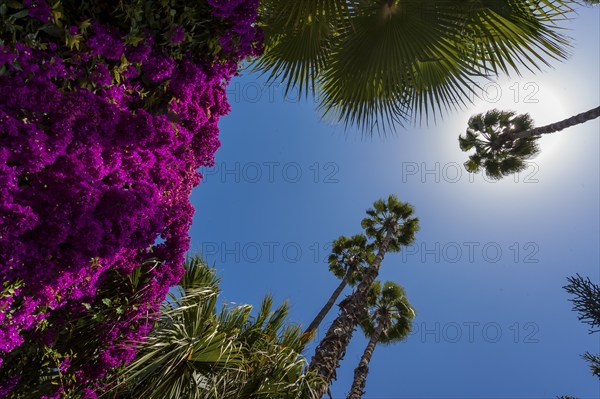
column 565, row 123
column 321, row 315
column 361, row 372
column 332, row 348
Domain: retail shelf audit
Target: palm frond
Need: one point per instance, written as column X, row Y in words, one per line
column 297, row 40
column 196, row 352
column 378, row 65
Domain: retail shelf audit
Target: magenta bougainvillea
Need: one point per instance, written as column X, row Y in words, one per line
column 104, row 122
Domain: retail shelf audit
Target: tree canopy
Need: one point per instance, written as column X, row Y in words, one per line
column 379, row 64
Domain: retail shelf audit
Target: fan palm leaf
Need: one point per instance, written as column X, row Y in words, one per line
column 198, row 352
column 378, row 64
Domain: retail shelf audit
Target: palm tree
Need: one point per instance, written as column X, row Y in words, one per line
column 503, row 141
column 390, row 225
column 378, row 63
column 349, row 257
column 389, row 320
column 198, row 352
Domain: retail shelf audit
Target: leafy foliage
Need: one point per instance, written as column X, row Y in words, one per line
column 350, row 255
column 377, row 64
column 71, row 345
column 587, row 303
column 391, row 217
column 196, row 351
column 497, row 151
column 594, row 361
column 107, row 110
column 387, row 305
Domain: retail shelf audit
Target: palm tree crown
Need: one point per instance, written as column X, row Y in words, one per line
column 388, row 303
column 393, row 217
column 349, row 258
column 350, row 254
column 388, row 320
column 497, row 151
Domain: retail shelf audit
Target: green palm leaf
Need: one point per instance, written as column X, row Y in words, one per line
column 379, row 64
column 198, row 352
column 298, row 36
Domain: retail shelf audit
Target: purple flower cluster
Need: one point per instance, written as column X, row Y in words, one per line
column 105, row 42
column 9, row 385
column 177, row 35
column 244, row 35
column 158, row 68
column 39, row 10
column 91, row 178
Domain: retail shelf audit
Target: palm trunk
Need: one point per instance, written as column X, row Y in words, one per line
column 319, row 318
column 565, row 123
column 332, row 348
column 360, row 373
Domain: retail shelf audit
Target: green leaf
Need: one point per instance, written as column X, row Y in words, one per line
column 20, row 14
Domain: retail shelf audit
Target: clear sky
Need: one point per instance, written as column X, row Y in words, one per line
column 486, row 270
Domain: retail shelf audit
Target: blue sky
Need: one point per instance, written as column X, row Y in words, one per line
column 486, row 270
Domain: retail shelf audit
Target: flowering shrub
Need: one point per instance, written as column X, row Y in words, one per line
column 107, row 110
